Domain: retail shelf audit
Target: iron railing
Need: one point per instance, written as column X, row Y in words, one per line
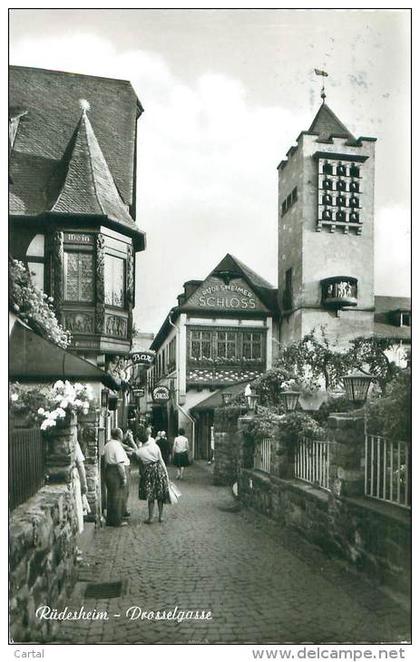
column 312, row 462
column 387, row 470
column 262, row 455
column 26, row 464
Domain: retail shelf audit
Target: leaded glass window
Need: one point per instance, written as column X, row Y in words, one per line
column 114, row 281
column 78, row 276
column 252, row 345
column 200, row 344
column 226, row 344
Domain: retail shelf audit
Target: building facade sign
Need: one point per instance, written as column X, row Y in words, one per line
column 78, row 238
column 216, row 295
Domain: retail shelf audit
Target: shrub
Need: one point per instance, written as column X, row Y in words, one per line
column 390, row 416
column 33, row 306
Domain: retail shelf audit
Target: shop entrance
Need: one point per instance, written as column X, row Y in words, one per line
column 159, row 418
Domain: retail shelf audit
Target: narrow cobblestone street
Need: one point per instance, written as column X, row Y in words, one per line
column 262, row 584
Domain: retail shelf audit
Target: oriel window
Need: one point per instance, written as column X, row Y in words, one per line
column 114, row 275
column 78, row 276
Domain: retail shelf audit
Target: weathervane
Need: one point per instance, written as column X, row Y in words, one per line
column 320, row 72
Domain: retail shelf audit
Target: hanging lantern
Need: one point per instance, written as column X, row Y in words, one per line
column 357, row 386
column 290, row 399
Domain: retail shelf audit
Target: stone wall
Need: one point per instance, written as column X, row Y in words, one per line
column 42, row 560
column 372, row 536
column 42, row 542
column 89, row 443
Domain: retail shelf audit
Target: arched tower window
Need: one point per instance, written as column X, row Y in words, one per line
column 354, row 170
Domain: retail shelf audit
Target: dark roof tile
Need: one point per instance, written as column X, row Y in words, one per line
column 327, row 124
column 51, row 99
column 87, row 186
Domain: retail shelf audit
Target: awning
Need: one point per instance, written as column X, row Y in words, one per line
column 34, row 358
column 216, row 399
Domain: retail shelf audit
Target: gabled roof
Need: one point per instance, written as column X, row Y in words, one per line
column 386, row 317
column 216, row 399
column 232, row 264
column 231, row 267
column 228, row 267
column 385, row 304
column 82, row 183
column 51, row 101
column 326, row 125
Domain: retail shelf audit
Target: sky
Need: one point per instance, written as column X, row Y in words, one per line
column 226, row 93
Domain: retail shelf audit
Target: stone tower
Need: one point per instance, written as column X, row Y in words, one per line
column 326, row 213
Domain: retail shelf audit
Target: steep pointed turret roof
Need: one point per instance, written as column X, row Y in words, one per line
column 83, row 183
column 326, row 124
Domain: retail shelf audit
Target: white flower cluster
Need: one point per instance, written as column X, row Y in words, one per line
column 67, row 397
column 290, row 385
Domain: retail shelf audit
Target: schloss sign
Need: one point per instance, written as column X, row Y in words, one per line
column 160, row 394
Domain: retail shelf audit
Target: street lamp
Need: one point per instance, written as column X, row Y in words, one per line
column 252, row 401
column 357, row 386
column 290, row 399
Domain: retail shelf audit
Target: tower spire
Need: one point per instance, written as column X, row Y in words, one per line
column 324, row 74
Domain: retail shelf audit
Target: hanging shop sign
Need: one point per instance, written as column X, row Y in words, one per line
column 138, row 392
column 141, row 358
column 160, row 394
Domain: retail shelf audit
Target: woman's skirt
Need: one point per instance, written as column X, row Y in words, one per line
column 181, row 459
column 153, row 483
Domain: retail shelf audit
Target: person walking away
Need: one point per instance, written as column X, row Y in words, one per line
column 180, row 451
column 116, row 460
column 164, row 445
column 154, row 479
